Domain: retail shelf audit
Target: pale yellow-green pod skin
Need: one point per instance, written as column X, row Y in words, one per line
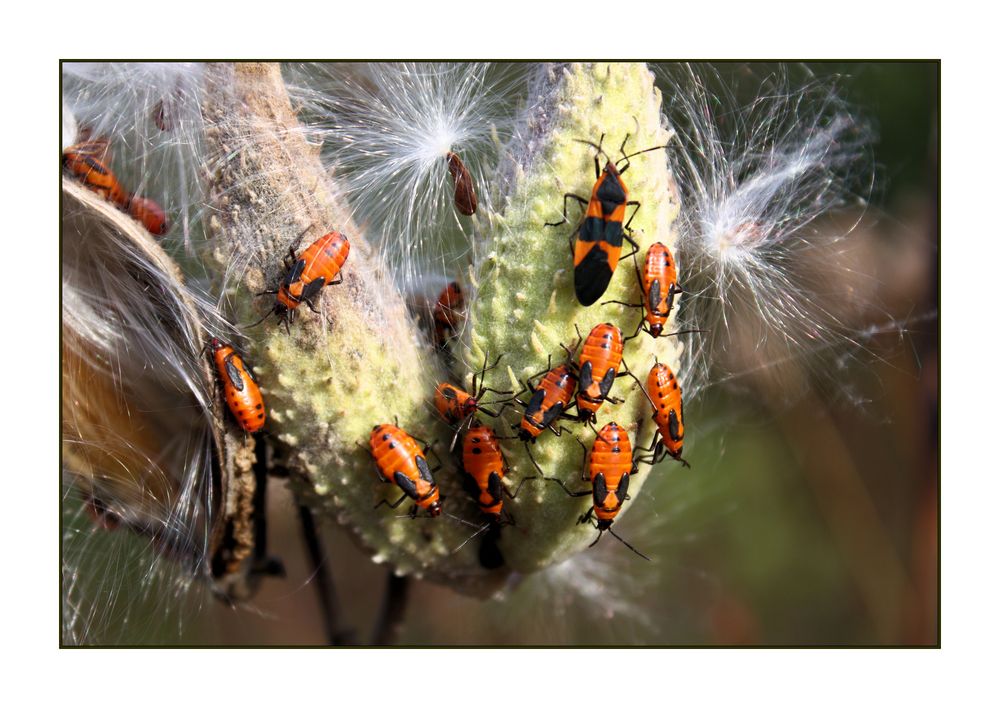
column 526, row 305
column 362, row 362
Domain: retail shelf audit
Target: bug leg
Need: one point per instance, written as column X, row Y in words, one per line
column 638, row 383
column 584, row 518
column 570, row 493
column 532, row 458
column 625, row 228
column 565, row 209
column 298, row 240
column 338, row 280
column 527, row 384
column 311, row 306
column 627, row 545
column 518, row 489
column 499, row 413
column 393, row 505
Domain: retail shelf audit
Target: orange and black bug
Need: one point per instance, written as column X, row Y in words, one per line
column 401, row 461
column 548, row 402
column 149, row 214
column 664, row 393
column 599, row 361
column 597, row 244
column 465, row 190
column 87, row 162
column 458, row 406
column 609, row 469
column 241, row 391
column 659, row 288
column 448, row 313
column 318, row 265
column 484, row 462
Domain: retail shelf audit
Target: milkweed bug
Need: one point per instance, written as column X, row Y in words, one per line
column 86, row 162
column 597, row 244
column 306, row 275
column 149, row 214
column 659, row 288
column 241, row 391
column 548, row 402
column 599, row 361
column 484, row 462
column 664, row 394
column 457, row 406
column 448, row 313
column 465, row 190
column 608, row 470
column 400, row 461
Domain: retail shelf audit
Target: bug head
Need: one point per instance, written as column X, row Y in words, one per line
column 655, row 330
column 525, row 435
column 215, row 344
column 604, row 524
column 435, row 508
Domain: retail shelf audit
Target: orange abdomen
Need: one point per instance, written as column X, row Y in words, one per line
column 395, row 452
column 665, row 392
column 659, row 282
column 83, row 164
column 484, row 462
column 557, row 389
column 150, row 214
column 599, row 362
column 325, row 257
column 313, row 269
column 240, row 387
column 453, row 403
column 610, row 460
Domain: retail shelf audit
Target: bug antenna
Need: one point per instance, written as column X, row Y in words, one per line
column 600, row 533
column 478, row 531
column 639, row 152
column 627, row 544
column 688, row 331
column 461, row 521
column 269, row 313
column 596, row 146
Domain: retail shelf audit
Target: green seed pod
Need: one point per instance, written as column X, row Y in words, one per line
column 526, row 306
column 361, row 362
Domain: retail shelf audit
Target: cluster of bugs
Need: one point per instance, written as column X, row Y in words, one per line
column 572, row 391
column 575, row 389
column 87, row 162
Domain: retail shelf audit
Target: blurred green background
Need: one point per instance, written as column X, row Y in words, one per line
column 808, row 518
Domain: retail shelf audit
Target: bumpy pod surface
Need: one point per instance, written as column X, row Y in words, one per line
column 337, row 374
column 526, row 307
column 361, row 362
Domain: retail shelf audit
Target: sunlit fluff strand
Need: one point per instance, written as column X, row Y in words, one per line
column 755, row 180
column 385, row 131
column 151, row 114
